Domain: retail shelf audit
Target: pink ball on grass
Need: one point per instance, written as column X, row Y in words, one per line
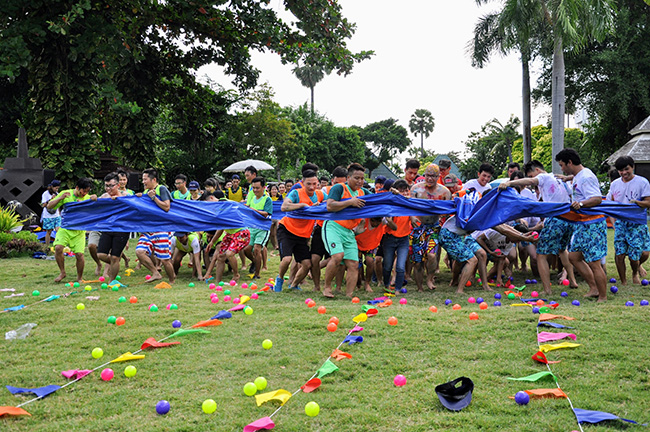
column 399, row 380
column 244, row 285
column 235, row 300
column 215, row 299
column 226, row 298
column 107, row 374
column 233, row 283
column 403, row 301
column 212, row 286
column 471, row 300
column 254, row 296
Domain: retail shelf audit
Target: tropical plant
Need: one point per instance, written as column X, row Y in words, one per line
column 309, row 76
column 505, row 135
column 9, row 219
column 422, row 123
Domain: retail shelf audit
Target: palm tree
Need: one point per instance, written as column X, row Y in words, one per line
column 505, row 135
column 422, row 123
column 309, row 76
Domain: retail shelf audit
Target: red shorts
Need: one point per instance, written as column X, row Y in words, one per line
column 235, row 242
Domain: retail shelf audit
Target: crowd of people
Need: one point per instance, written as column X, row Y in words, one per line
column 390, row 251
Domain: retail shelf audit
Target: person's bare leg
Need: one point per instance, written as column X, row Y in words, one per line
column 60, row 261
column 370, row 268
column 600, row 279
column 466, row 273
column 315, row 271
column 330, row 272
column 644, row 258
column 481, row 262
column 433, row 261
column 586, row 272
column 635, row 272
column 284, row 266
column 257, row 259
column 47, row 238
column 220, row 265
column 92, row 249
column 620, row 267
column 379, row 266
column 418, row 275
column 351, row 279
column 544, row 273
column 232, row 259
column 265, row 256
column 566, row 262
column 302, row 272
column 339, row 278
column 145, row 260
column 169, row 269
column 523, row 257
column 80, row 266
column 456, row 269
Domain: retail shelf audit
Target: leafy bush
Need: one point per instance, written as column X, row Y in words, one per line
column 9, row 220
column 26, row 235
column 5, row 237
column 20, row 244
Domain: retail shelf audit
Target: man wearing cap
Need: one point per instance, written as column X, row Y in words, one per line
column 51, row 221
column 445, row 170
column 73, row 239
column 424, row 238
column 181, row 191
column 234, row 192
column 183, row 244
column 195, row 190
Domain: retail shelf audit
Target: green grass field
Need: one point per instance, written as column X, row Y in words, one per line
column 609, row 372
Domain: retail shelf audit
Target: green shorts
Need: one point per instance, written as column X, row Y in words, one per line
column 75, row 240
column 259, row 237
column 338, row 239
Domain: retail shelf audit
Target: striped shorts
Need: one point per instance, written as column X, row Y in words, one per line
column 157, row 244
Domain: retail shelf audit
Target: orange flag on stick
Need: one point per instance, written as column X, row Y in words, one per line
column 337, row 354
column 207, row 323
column 548, row 317
column 12, row 411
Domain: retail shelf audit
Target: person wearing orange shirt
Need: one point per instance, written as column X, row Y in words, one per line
column 368, row 237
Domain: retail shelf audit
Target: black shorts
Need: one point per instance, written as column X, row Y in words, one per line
column 291, row 244
column 380, row 251
column 317, row 245
column 113, row 243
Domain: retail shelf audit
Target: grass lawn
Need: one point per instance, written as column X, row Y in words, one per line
column 609, row 372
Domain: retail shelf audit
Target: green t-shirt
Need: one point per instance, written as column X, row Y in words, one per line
column 178, row 195
column 70, row 198
column 263, row 204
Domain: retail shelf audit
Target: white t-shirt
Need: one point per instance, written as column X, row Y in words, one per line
column 47, row 196
column 636, row 189
column 585, row 185
column 473, row 183
column 552, row 189
column 194, row 245
column 496, row 240
column 527, row 193
column 450, row 225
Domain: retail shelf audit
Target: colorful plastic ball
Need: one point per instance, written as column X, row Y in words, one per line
column 522, row 398
column 209, row 406
column 483, row 306
column 392, row 321
column 118, row 277
column 162, row 407
column 535, row 234
column 399, row 380
column 312, row 409
column 88, row 288
column 311, row 304
column 153, row 308
column 403, row 301
column 643, row 303
column 564, row 294
column 544, row 309
column 539, row 302
column 147, row 277
column 102, row 279
column 534, row 281
column 244, row 285
column 535, row 310
column 473, row 316
column 215, row 299
column 130, row 371
column 174, row 306
column 111, row 319
column 233, row 283
column 133, row 299
column 250, row 389
column 534, row 294
column 433, row 309
column 219, row 288
column 497, row 296
column 107, row 374
column 403, row 291
column 468, row 283
column 267, row 344
column 456, row 307
column 335, row 320
column 332, row 327
column 575, row 303
column 115, row 288
column 447, row 302
column 212, row 286
column 322, row 310
column 307, row 300
column 645, row 282
column 104, row 285
column 176, row 324
column 471, row 300
column 565, row 282
column 226, row 298
column 614, row 289
column 260, row 383
column 120, row 321
column 76, row 284
column 236, row 300
column 255, row 296
column 36, row 293
column 612, row 280
column 221, row 283
column 388, row 302
column 97, row 353
column 227, row 292
column 191, row 284
column 81, row 306
column 253, row 286
column 511, row 296
column 629, row 303
column 355, row 300
column 496, row 303
column 248, row 310
column 527, row 281
column 480, row 300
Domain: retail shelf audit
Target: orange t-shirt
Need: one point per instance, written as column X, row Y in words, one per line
column 371, row 237
column 403, row 226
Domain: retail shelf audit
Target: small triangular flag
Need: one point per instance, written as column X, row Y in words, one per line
column 12, row 411
column 311, row 385
column 38, row 391
column 260, row 424
column 535, row 377
column 548, row 347
column 127, row 357
column 152, row 343
column 280, row 395
column 207, row 323
column 337, row 354
column 327, row 368
column 548, row 336
column 184, row 332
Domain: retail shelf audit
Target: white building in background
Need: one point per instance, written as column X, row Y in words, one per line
column 580, row 119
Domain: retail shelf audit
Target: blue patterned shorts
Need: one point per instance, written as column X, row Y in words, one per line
column 424, row 240
column 631, row 239
column 472, row 244
column 455, row 246
column 51, row 223
column 555, row 236
column 590, row 239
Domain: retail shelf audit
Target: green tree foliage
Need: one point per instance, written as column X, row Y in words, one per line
column 487, row 145
column 422, row 123
column 610, row 80
column 309, row 76
column 543, row 145
column 97, row 71
column 387, row 140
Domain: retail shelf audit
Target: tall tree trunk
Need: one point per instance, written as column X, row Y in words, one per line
column 422, row 143
column 557, row 100
column 525, row 102
column 312, row 99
